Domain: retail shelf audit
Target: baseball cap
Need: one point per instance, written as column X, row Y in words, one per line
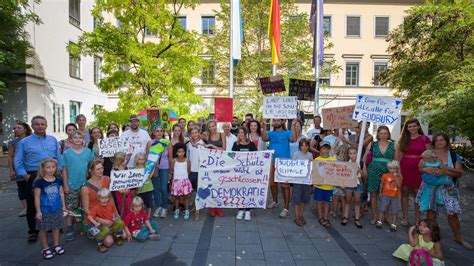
column 133, row 117
column 325, row 143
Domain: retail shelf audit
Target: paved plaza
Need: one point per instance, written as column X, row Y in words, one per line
column 265, row 240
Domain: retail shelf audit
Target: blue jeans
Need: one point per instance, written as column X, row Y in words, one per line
column 145, row 232
column 160, row 185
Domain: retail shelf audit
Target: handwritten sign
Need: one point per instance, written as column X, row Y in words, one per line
column 223, row 109
column 303, row 89
column 383, row 110
column 233, row 179
column 280, row 107
column 293, row 171
column 338, row 117
column 109, row 146
column 153, row 118
column 334, row 173
column 126, row 179
column 272, row 84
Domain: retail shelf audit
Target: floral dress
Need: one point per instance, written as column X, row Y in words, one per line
column 378, row 165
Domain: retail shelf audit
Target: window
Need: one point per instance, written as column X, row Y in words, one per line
column 208, row 25
column 325, row 75
column 97, row 72
column 353, row 26
column 379, row 67
column 208, row 74
column 74, row 110
column 58, row 117
column 352, row 74
column 95, row 22
column 381, row 26
column 182, row 22
column 74, row 66
column 147, row 31
column 75, row 12
column 327, row 25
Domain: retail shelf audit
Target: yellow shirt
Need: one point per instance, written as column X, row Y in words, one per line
column 330, row 158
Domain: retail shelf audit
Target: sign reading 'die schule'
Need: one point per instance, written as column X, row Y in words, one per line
column 334, row 173
column 233, row 179
column 383, row 110
column 280, row 107
column 109, row 146
column 303, row 89
column 272, row 84
column 338, row 117
column 127, row 179
column 293, row 171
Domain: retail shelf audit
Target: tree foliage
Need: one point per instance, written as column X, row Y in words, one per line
column 148, row 58
column 432, row 64
column 15, row 48
column 296, row 50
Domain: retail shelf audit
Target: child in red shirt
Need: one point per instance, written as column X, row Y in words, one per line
column 390, row 194
column 137, row 223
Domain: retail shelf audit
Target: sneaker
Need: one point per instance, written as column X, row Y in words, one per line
column 247, row 216
column 176, row 214
column 219, row 212
column 22, row 213
column 69, row 233
column 272, row 205
column 118, row 240
column 157, row 212
column 102, row 248
column 378, row 224
column 393, row 227
column 164, row 213
column 186, row 215
column 154, row 237
column 212, row 212
column 240, row 215
column 284, row 213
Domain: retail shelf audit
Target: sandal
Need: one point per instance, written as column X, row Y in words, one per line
column 404, row 222
column 328, row 224
column 58, row 250
column 32, row 238
column 465, row 244
column 357, row 223
column 344, row 221
column 47, row 254
column 323, row 222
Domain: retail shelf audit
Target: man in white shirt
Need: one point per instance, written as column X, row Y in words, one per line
column 316, row 130
column 229, row 137
column 138, row 138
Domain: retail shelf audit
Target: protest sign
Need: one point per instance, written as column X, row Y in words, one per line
column 383, row 110
column 338, row 117
column 334, row 173
column 293, row 171
column 109, row 146
column 272, row 84
column 303, row 89
column 280, row 107
column 153, row 118
column 126, row 179
column 223, row 108
column 165, row 119
column 233, row 179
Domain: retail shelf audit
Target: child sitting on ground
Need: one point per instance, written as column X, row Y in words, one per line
column 137, row 223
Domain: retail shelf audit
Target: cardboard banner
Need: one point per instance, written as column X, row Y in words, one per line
column 223, row 108
column 384, row 110
column 303, row 89
column 127, row 179
column 153, row 118
column 293, row 171
column 109, row 146
column 334, row 173
column 233, row 179
column 280, row 107
column 338, row 117
column 272, row 84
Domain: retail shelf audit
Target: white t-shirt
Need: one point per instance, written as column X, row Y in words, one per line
column 192, row 154
column 313, row 132
column 229, row 142
column 138, row 139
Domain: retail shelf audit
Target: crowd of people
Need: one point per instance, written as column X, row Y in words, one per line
column 63, row 181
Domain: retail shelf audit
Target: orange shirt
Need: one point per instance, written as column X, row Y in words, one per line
column 389, row 185
column 104, row 212
column 93, row 201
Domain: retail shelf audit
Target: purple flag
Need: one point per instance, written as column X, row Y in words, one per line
column 317, row 11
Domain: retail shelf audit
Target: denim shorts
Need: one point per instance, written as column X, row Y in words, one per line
column 301, row 194
column 394, row 203
column 358, row 189
column 322, row 195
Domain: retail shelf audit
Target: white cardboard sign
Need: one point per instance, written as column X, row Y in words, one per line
column 293, row 171
column 383, row 110
column 280, row 107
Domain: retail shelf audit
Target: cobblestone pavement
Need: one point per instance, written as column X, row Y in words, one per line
column 265, row 240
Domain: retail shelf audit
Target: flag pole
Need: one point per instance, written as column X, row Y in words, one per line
column 316, row 59
column 231, row 61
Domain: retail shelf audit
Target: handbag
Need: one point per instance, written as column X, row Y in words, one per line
column 417, row 256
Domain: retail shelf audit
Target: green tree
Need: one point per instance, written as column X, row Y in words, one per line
column 296, row 51
column 149, row 59
column 432, row 64
column 15, row 48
